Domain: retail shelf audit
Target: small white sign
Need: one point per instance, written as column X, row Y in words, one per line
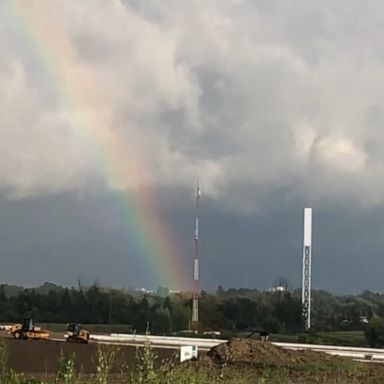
column 188, row 352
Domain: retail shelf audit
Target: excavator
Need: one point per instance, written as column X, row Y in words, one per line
column 26, row 330
column 76, row 334
column 264, row 335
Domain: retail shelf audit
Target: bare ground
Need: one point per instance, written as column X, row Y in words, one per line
column 240, row 356
column 40, row 356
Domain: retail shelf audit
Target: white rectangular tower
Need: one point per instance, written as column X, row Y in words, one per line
column 307, row 259
column 195, row 299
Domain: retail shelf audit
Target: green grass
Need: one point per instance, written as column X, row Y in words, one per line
column 93, row 328
column 293, row 338
column 349, row 338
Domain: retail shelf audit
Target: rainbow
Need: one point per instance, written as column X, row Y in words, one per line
column 76, row 88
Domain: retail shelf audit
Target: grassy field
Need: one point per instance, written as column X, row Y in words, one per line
column 347, row 338
column 93, row 328
column 350, row 338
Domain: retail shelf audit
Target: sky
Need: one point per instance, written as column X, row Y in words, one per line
column 112, row 110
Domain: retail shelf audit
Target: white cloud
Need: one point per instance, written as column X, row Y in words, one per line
column 260, row 95
column 340, row 154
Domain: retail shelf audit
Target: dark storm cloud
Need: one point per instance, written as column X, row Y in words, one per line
column 66, row 238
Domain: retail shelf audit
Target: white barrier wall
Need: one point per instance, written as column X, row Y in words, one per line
column 364, row 354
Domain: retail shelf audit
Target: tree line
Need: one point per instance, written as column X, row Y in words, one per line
column 232, row 310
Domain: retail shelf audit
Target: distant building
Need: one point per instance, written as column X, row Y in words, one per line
column 278, row 288
column 143, row 290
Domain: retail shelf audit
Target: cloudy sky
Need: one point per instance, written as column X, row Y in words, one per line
column 273, row 105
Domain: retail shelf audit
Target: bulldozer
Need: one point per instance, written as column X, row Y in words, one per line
column 26, row 330
column 76, row 334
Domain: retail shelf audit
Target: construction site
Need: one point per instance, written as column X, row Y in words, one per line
column 252, row 358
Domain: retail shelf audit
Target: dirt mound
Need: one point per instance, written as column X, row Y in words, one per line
column 256, row 353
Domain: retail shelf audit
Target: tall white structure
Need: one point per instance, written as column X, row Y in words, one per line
column 195, row 299
column 307, row 259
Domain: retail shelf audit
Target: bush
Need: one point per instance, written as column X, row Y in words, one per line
column 374, row 332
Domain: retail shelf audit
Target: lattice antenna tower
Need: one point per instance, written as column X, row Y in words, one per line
column 195, row 299
column 307, row 267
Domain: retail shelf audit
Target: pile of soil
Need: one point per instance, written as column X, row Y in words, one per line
column 253, row 352
column 255, row 360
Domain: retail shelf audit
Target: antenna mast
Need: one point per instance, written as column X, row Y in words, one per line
column 195, row 299
column 307, row 268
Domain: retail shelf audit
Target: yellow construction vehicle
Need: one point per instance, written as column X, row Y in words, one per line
column 76, row 334
column 26, row 330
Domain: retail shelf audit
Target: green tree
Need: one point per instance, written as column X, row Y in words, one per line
column 374, row 332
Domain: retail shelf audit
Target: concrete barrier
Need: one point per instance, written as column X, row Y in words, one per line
column 361, row 354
